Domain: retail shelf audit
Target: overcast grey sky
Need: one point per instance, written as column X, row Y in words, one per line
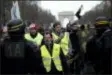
column 58, row 6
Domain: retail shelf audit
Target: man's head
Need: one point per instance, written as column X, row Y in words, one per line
column 82, row 27
column 101, row 24
column 57, row 27
column 74, row 26
column 16, row 28
column 48, row 38
column 33, row 28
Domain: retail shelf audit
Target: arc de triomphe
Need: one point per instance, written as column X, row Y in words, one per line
column 66, row 14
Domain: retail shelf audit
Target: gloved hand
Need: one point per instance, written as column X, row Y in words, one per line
column 70, row 61
column 34, row 46
column 68, row 56
column 71, row 53
column 57, row 41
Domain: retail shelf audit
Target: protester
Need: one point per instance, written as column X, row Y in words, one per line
column 75, row 54
column 34, row 35
column 61, row 37
column 52, row 58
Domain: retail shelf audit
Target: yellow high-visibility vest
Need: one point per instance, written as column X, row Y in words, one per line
column 46, row 58
column 55, row 37
column 37, row 39
column 64, row 42
column 83, row 34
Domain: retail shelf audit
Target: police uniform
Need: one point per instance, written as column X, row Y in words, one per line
column 99, row 47
column 17, row 54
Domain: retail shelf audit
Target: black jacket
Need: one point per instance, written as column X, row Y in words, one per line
column 75, row 42
column 17, row 56
column 99, row 52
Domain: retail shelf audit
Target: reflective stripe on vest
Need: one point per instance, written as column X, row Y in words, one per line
column 64, row 42
column 46, row 58
column 37, row 39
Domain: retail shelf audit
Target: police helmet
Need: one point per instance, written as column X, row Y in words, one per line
column 102, row 21
column 16, row 26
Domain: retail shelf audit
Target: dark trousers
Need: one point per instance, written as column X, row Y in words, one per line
column 76, row 66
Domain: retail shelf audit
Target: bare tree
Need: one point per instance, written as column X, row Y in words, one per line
column 29, row 11
column 102, row 9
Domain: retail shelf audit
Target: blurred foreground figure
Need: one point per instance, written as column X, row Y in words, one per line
column 16, row 52
column 75, row 54
column 83, row 35
column 52, row 58
column 110, row 22
column 34, row 35
column 99, row 47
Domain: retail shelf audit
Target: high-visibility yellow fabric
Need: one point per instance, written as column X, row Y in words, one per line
column 46, row 58
column 37, row 39
column 64, row 42
column 55, row 37
column 16, row 27
column 83, row 37
column 83, row 34
column 102, row 22
column 86, row 26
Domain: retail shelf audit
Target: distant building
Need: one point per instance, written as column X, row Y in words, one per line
column 66, row 14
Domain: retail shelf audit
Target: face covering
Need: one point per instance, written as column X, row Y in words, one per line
column 100, row 31
column 16, row 35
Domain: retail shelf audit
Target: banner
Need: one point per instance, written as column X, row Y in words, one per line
column 15, row 13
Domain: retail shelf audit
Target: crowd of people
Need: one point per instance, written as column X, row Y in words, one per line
column 57, row 51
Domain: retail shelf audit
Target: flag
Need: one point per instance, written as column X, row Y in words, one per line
column 15, row 13
column 78, row 12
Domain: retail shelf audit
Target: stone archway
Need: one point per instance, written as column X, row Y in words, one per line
column 66, row 14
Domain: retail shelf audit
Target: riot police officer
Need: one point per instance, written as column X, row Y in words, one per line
column 17, row 54
column 99, row 47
